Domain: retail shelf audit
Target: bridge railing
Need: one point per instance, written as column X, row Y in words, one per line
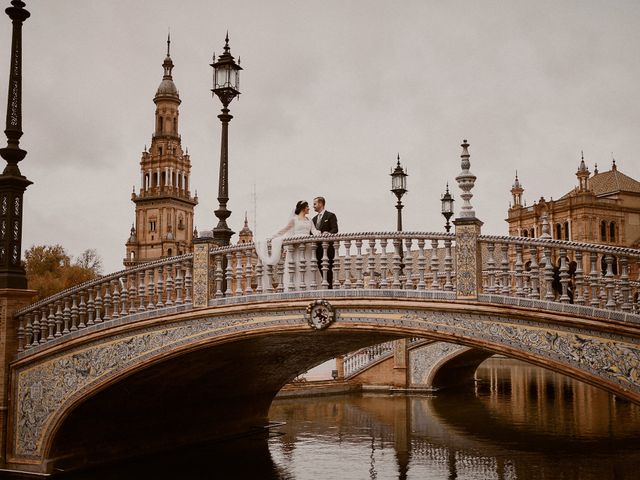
column 139, row 290
column 513, row 270
column 566, row 272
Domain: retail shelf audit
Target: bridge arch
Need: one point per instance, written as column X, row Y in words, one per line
column 236, row 358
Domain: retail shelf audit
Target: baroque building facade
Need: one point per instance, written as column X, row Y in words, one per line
column 603, row 208
column 164, row 224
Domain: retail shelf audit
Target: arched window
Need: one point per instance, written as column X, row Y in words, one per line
column 163, row 180
column 146, row 181
column 532, row 233
column 612, row 232
column 160, row 124
column 525, row 233
column 558, row 231
column 169, row 252
column 603, row 231
column 566, row 230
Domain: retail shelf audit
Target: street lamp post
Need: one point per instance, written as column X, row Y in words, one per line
column 447, row 207
column 12, row 183
column 399, row 187
column 226, row 86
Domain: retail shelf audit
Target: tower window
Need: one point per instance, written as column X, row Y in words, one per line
column 558, row 231
column 566, row 230
column 612, row 231
column 603, row 231
column 532, row 233
column 152, row 226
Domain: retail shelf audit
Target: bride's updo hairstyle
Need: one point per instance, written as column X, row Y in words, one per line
column 300, row 206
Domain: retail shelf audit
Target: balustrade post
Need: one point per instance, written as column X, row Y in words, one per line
column 36, row 328
column 141, row 291
column 625, row 287
column 106, row 301
column 29, row 329
column 325, row 264
column 373, row 282
column 74, row 312
column 435, row 281
column 179, row 284
column 491, row 268
column 579, row 288
column 58, row 318
column 159, row 286
column 302, row 265
column 609, row 282
column 279, row 273
column 335, row 265
column 188, row 283
column 359, row 265
column 150, row 289
column 534, row 272
column 66, row 316
column 384, row 263
column 238, row 272
column 448, row 266
column 312, row 267
column 115, row 298
column 347, row 264
column 51, row 323
column 124, row 295
column 564, row 276
column 468, row 258
column 201, row 259
column 409, row 265
column 548, row 274
column 248, row 272
column 594, row 280
column 20, row 333
column 259, row 277
column 169, row 290
column 422, row 264
column 505, row 280
column 397, row 262
column 228, row 275
column 133, row 291
column 519, row 272
column 82, row 311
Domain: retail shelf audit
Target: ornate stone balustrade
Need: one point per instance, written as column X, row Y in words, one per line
column 359, row 360
column 585, row 279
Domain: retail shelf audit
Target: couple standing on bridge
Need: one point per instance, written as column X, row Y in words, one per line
column 299, row 224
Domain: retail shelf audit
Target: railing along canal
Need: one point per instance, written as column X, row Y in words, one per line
column 554, row 275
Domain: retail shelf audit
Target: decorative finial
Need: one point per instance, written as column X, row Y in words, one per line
column 613, row 162
column 582, row 155
column 466, row 181
column 246, row 222
column 546, row 231
column 226, row 43
column 398, row 158
column 169, row 43
column 595, row 170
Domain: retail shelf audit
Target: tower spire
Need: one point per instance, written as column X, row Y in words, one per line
column 169, row 43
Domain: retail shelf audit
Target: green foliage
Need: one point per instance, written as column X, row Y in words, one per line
column 50, row 269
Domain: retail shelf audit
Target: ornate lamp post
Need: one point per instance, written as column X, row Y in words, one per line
column 447, row 207
column 399, row 187
column 226, row 86
column 12, row 183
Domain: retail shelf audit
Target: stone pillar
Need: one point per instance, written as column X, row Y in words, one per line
column 11, row 300
column 340, row 367
column 468, row 258
column 400, row 363
column 201, row 260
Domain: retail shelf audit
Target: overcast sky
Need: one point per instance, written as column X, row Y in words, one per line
column 332, row 91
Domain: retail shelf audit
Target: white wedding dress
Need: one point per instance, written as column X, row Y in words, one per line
column 305, row 272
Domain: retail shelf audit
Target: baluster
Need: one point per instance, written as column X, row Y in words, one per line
column 238, row 273
column 159, row 286
column 535, row 273
column 141, row 290
column 58, row 319
column 169, row 289
column 594, row 278
column 504, row 269
column 397, row 263
column 66, row 317
column 259, row 277
column 384, row 263
column 188, row 284
column 435, row 265
column 336, row 265
column 272, row 271
column 20, row 333
column 28, row 331
column 36, row 328
column 106, row 302
column 279, row 273
column 248, row 271
column 373, row 282
column 359, row 264
column 302, row 265
column 578, row 293
column 625, row 286
column 289, row 272
column 179, row 284
column 74, row 312
column 609, row 282
column 115, row 310
column 219, row 276
column 133, row 292
column 548, row 274
column 150, row 289
column 312, row 267
column 564, row 276
column 491, row 268
column 519, row 272
column 228, row 276
column 448, row 265
column 422, row 263
column 409, row 265
column 50, row 322
column 325, row 264
column 347, row 265
column 98, row 304
column 91, row 308
column 82, row 311
column 124, row 295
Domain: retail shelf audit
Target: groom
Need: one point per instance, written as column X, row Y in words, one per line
column 326, row 222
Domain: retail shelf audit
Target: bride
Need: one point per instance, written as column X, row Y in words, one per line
column 298, row 225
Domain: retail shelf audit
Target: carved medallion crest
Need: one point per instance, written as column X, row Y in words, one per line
column 320, row 314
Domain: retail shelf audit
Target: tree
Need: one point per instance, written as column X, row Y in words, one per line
column 50, row 269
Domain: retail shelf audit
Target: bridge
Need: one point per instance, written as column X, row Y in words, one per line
column 202, row 342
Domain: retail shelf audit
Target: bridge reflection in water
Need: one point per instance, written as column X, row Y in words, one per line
column 520, row 422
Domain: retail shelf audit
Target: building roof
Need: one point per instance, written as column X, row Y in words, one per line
column 609, row 182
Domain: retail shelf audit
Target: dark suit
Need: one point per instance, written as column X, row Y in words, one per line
column 329, row 223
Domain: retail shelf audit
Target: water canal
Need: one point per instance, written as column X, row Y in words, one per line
column 518, row 422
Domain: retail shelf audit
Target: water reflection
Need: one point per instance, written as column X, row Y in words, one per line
column 520, row 422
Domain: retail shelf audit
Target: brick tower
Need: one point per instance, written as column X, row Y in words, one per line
column 164, row 205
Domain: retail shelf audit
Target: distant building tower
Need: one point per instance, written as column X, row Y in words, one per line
column 516, row 192
column 583, row 176
column 164, row 205
column 245, row 235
